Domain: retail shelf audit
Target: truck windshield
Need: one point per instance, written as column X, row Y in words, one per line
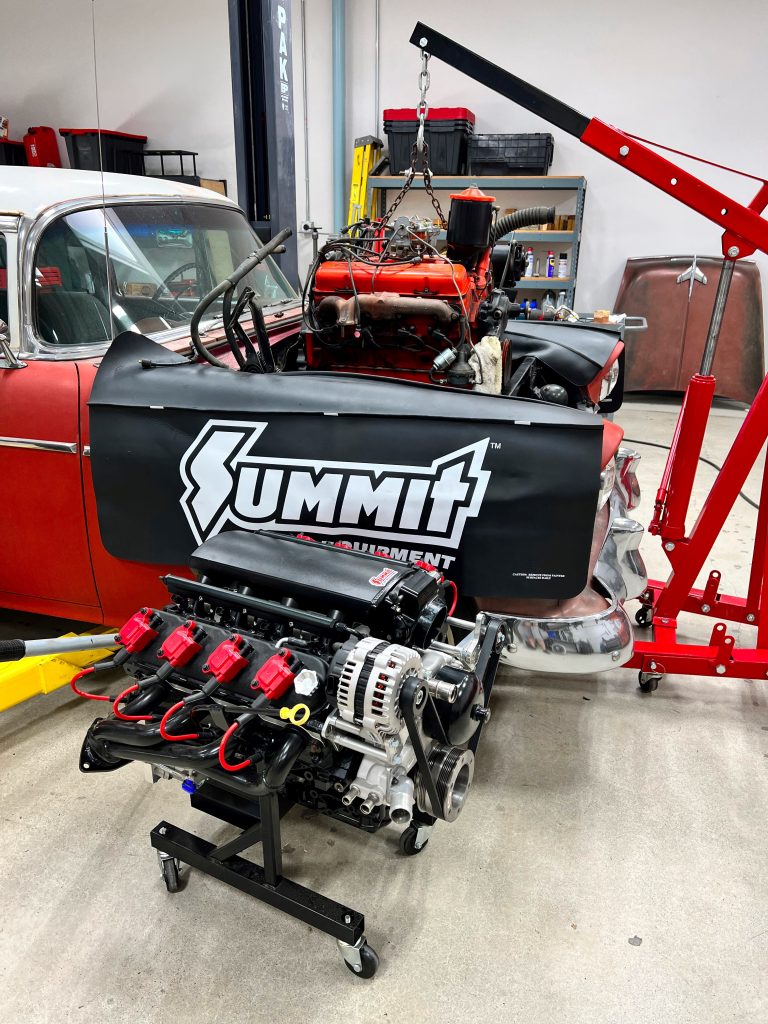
column 141, row 267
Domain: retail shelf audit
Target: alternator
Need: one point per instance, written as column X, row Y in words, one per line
column 371, row 680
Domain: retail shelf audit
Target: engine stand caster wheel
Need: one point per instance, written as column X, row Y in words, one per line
column 413, row 839
column 360, row 959
column 649, row 681
column 644, row 616
column 170, row 871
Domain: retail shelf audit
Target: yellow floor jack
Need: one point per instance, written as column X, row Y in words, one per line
column 40, row 666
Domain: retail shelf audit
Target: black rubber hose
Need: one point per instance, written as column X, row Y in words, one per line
column 273, row 246
column 522, row 219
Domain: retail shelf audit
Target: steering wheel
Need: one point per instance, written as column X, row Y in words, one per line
column 165, row 283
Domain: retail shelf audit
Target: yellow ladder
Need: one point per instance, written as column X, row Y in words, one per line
column 367, row 148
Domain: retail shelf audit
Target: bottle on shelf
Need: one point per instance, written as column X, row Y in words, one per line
column 562, row 265
column 537, row 271
column 561, row 298
column 529, row 262
column 550, row 264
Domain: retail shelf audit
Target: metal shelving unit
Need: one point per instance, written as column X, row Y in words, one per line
column 572, row 184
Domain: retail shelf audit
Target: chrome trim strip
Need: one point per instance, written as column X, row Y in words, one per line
column 44, row 446
column 32, row 345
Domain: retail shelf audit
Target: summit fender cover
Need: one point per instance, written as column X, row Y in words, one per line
column 578, row 352
column 499, row 493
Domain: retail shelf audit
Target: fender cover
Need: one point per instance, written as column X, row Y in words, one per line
column 576, row 351
column 499, row 493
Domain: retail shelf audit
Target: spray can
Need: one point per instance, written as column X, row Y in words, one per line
column 550, row 264
column 529, row 262
column 561, row 298
column 562, row 265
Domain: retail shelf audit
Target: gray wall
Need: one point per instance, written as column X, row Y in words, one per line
column 162, row 67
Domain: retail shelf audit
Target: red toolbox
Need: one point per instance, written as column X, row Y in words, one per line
column 42, row 147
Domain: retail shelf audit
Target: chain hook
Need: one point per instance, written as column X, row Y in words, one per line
column 421, row 106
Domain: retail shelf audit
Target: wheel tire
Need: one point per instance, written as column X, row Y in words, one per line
column 644, row 616
column 648, row 683
column 171, row 875
column 369, row 963
column 407, row 842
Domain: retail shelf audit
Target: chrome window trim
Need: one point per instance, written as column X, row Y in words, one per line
column 39, row 445
column 9, row 228
column 32, row 345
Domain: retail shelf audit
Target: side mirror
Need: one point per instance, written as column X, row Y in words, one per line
column 8, row 358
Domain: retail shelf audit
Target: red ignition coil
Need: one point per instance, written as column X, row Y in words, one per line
column 140, row 630
column 181, row 646
column 277, row 674
column 229, row 659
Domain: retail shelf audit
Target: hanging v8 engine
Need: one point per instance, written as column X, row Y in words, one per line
column 306, row 672
column 383, row 299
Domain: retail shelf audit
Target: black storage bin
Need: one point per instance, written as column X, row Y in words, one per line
column 120, row 152
column 511, row 154
column 447, row 131
column 12, row 153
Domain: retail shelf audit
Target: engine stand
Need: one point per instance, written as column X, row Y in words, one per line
column 265, row 882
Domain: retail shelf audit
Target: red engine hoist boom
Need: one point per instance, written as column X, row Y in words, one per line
column 745, row 230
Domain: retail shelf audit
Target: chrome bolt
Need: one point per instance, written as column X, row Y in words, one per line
column 86, row 766
column 750, row 617
column 163, row 830
column 512, row 648
column 624, row 151
column 669, row 546
column 733, row 251
column 423, row 41
column 706, row 609
column 420, row 695
column 616, row 655
column 720, row 669
column 653, row 666
column 347, row 919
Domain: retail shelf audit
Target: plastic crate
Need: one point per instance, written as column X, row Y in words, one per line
column 511, row 154
column 119, row 151
column 12, row 153
column 447, row 131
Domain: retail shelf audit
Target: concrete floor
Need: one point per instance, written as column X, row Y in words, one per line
column 609, row 866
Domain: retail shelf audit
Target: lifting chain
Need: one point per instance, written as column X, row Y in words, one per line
column 419, row 152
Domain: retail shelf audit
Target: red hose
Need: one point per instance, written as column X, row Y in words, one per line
column 82, row 693
column 164, row 721
column 455, row 589
column 225, row 764
column 128, row 718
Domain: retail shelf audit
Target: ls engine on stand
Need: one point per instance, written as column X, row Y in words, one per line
column 293, row 672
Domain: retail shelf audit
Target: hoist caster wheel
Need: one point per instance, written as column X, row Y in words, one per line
column 169, row 867
column 407, row 842
column 644, row 615
column 648, row 681
column 369, row 963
